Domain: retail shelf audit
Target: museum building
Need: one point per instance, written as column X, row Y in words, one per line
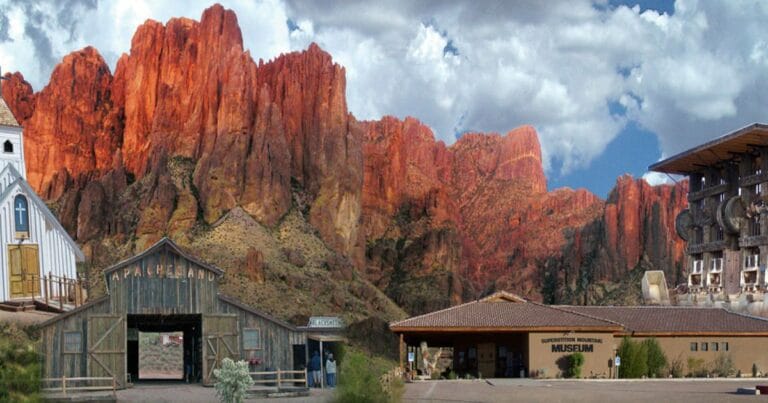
column 504, row 335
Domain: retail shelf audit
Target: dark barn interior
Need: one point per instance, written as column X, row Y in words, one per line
column 190, row 325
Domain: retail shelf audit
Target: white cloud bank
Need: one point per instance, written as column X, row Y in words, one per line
column 575, row 70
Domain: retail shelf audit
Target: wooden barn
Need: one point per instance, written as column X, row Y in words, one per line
column 164, row 289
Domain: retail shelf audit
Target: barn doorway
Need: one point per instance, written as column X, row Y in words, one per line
column 165, row 348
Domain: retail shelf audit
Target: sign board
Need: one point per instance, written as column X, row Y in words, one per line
column 572, row 344
column 325, row 322
column 618, row 361
column 411, row 356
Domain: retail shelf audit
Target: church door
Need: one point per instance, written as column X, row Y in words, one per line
column 24, row 271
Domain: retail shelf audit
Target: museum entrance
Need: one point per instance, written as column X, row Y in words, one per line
column 164, row 348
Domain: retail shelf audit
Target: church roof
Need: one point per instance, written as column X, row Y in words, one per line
column 6, row 116
column 18, row 180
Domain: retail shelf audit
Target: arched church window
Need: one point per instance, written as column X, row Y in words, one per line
column 21, row 216
column 7, row 146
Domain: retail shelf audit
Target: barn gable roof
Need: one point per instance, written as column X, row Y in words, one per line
column 19, row 181
column 241, row 305
column 164, row 243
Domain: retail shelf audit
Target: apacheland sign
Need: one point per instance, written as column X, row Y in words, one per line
column 572, row 344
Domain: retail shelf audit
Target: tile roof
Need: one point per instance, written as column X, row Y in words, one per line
column 675, row 319
column 6, row 116
column 506, row 314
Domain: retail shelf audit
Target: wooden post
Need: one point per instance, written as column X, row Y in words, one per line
column 278, row 379
column 322, row 367
column 45, row 289
column 64, row 384
column 33, row 286
column 61, row 301
column 401, row 352
column 114, row 387
column 50, row 285
column 66, row 288
column 306, row 377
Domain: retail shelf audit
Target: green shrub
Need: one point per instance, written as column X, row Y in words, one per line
column 754, row 370
column 232, row 381
column 697, row 367
column 359, row 380
column 722, row 365
column 575, row 362
column 19, row 367
column 634, row 359
column 655, row 358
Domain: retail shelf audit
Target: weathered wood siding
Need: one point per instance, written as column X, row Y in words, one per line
column 163, row 283
column 276, row 340
column 56, row 363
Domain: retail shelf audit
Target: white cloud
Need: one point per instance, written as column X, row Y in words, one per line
column 568, row 68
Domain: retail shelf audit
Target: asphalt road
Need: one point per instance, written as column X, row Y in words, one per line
column 529, row 390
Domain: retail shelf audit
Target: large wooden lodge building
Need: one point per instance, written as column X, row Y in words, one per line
column 726, row 223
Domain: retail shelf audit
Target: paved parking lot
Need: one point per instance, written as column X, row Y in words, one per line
column 528, row 390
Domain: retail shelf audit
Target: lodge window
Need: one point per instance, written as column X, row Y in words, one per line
column 704, row 347
column 694, row 346
column 717, row 233
column 8, row 146
column 251, row 339
column 73, row 342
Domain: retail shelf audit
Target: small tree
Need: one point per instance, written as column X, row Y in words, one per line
column 655, row 358
column 575, row 362
column 360, row 381
column 697, row 367
column 19, row 366
column 634, row 359
column 232, row 381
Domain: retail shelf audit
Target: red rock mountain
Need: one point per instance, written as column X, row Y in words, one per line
column 190, row 127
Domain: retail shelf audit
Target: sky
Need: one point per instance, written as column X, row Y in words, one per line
column 610, row 86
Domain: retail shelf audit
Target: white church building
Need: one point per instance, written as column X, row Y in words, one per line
column 33, row 244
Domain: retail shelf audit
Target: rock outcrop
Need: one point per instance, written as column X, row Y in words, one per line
column 189, row 128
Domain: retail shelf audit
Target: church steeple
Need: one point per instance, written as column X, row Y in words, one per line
column 11, row 140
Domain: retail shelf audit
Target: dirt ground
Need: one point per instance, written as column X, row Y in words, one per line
column 179, row 392
column 25, row 318
column 528, row 390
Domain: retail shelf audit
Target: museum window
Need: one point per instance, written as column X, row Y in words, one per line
column 251, row 339
column 704, row 347
column 725, row 346
column 73, row 342
column 694, row 346
column 715, row 346
column 8, row 146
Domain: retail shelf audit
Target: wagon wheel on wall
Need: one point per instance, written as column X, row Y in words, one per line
column 683, row 224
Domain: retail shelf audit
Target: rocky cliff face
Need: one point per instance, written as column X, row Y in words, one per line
column 189, row 129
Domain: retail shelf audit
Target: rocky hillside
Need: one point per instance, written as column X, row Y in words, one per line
column 260, row 168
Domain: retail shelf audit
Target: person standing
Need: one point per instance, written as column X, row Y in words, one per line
column 330, row 369
column 314, row 368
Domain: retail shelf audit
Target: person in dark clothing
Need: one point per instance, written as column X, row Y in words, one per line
column 314, row 369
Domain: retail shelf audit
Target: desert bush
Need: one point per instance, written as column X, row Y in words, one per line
column 723, row 365
column 359, row 380
column 655, row 358
column 232, row 381
column 19, row 366
column 575, row 362
column 754, row 370
column 696, row 367
column 675, row 368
